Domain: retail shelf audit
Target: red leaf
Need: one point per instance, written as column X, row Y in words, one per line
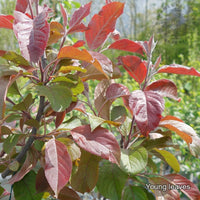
column 32, row 35
column 79, row 43
column 115, row 35
column 100, row 142
column 127, row 45
column 78, row 15
column 100, row 101
column 64, row 15
column 103, row 24
column 134, row 66
column 21, row 5
column 78, row 28
column 179, row 69
column 116, row 90
column 183, row 130
column 29, row 164
column 186, row 186
column 102, row 63
column 161, row 189
column 58, row 165
column 165, row 88
column 6, row 21
column 59, row 118
column 147, row 108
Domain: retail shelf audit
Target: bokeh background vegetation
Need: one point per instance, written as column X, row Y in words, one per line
column 176, row 26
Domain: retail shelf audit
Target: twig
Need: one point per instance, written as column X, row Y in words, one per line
column 31, row 10
column 30, row 141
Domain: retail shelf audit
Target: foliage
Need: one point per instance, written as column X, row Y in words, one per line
column 58, row 139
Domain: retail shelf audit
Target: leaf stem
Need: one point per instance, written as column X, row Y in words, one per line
column 129, row 135
column 31, row 10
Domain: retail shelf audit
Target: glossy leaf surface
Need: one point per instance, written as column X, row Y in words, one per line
column 178, row 69
column 147, row 108
column 32, row 35
column 58, row 165
column 134, row 161
column 186, row 186
column 134, row 66
column 165, row 88
column 127, row 45
column 185, row 131
column 100, row 142
column 102, row 24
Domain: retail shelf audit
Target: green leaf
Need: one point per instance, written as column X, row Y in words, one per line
column 18, row 60
column 85, row 179
column 78, row 89
column 95, row 121
column 25, row 189
column 64, row 79
column 134, row 160
column 111, row 180
column 71, row 123
column 59, row 96
column 118, row 113
column 13, row 89
column 1, row 190
column 10, row 142
column 25, row 104
column 125, row 127
column 170, row 159
column 134, row 192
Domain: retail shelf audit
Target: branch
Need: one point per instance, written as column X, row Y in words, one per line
column 30, row 141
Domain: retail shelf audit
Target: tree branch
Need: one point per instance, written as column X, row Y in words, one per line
column 30, row 141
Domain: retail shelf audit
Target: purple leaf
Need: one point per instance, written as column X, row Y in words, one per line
column 165, row 88
column 100, row 142
column 147, row 107
column 32, row 35
column 78, row 15
column 116, row 90
column 64, row 15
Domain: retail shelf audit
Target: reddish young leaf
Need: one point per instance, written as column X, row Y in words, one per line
column 78, row 16
column 29, row 164
column 116, row 90
column 115, row 35
column 41, row 184
column 21, row 5
column 127, row 45
column 59, row 118
column 32, row 35
column 64, row 15
column 102, row 24
column 6, row 21
column 56, row 32
column 185, row 131
column 79, row 43
column 160, row 186
column 58, row 165
column 68, row 194
column 74, row 53
column 100, row 142
column 102, row 63
column 179, row 69
column 134, row 66
column 78, row 28
column 147, row 107
column 101, row 103
column 165, row 88
column 186, row 186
